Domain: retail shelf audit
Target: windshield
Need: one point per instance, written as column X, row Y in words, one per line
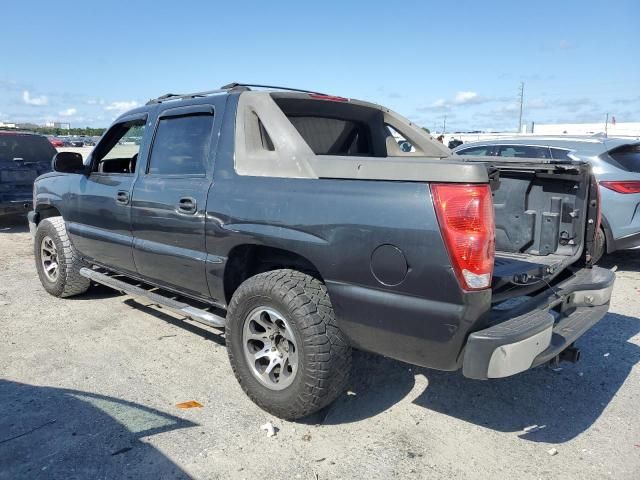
column 28, row 148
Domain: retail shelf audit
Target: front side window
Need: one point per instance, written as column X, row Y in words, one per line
column 118, row 151
column 181, row 145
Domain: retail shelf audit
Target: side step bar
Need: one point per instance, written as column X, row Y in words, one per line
column 195, row 314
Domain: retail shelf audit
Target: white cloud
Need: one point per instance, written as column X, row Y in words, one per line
column 465, row 97
column 460, row 99
column 121, row 107
column 68, row 112
column 471, row 98
column 38, row 101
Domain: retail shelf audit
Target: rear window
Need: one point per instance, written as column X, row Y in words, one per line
column 28, row 148
column 627, row 157
column 337, row 128
column 333, row 136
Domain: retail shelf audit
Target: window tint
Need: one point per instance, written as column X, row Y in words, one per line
column 118, row 150
column 523, row 151
column 29, row 148
column 181, row 145
column 560, row 154
column 627, row 157
column 332, row 136
column 484, row 150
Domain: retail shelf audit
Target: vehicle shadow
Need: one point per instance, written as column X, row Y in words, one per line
column 14, row 224
column 214, row 336
column 625, row 260
column 562, row 404
column 50, row 432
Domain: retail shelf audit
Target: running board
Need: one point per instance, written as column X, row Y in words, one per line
column 195, row 314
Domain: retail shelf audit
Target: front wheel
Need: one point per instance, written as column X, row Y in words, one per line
column 57, row 262
column 283, row 343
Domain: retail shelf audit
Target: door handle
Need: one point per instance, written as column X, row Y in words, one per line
column 187, row 205
column 122, row 197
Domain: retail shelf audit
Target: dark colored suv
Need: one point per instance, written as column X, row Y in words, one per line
column 23, row 156
column 296, row 222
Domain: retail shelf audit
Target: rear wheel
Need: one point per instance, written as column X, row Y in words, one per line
column 57, row 262
column 599, row 246
column 283, row 343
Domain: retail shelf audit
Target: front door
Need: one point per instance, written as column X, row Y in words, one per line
column 99, row 220
column 169, row 201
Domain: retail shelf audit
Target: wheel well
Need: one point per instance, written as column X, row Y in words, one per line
column 248, row 260
column 608, row 235
column 46, row 211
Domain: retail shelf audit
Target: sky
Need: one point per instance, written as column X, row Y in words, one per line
column 86, row 62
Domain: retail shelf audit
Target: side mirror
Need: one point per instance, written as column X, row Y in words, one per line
column 68, row 162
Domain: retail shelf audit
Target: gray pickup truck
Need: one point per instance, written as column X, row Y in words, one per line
column 307, row 224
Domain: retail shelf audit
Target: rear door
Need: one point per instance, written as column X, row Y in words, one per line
column 169, row 200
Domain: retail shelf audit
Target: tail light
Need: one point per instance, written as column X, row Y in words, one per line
column 465, row 215
column 622, row 186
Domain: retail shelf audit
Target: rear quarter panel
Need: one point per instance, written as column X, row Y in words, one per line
column 337, row 225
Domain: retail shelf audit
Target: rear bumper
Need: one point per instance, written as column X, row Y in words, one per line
column 538, row 329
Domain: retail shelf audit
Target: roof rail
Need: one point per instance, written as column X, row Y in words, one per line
column 231, row 86
column 179, row 96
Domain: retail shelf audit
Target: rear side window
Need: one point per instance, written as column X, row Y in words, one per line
column 523, row 151
column 27, row 148
column 484, row 150
column 181, row 145
column 333, row 136
column 627, row 157
column 560, row 154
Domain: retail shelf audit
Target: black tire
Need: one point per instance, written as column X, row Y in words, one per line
column 68, row 281
column 600, row 246
column 323, row 352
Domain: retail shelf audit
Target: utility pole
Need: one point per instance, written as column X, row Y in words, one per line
column 606, row 126
column 444, row 124
column 521, row 103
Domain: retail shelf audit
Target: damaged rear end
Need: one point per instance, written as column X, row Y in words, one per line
column 545, row 291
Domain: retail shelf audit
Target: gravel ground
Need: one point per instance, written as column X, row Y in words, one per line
column 89, row 387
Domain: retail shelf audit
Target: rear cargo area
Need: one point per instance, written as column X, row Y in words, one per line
column 540, row 216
